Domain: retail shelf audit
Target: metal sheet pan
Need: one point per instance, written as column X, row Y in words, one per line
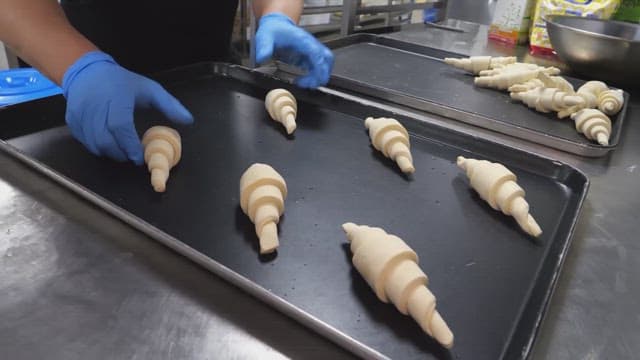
column 493, row 283
column 413, row 75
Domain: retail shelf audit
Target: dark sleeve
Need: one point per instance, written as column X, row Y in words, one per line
column 147, row 36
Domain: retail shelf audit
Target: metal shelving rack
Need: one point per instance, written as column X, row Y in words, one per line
column 352, row 10
column 352, row 16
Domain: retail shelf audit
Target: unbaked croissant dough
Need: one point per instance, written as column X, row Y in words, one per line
column 504, row 77
column 390, row 267
column 597, row 94
column 282, row 107
column 594, row 124
column 526, row 86
column 557, row 82
column 262, row 194
column 510, row 68
column 547, row 99
column 497, row 185
column 475, row 64
column 610, row 102
column 590, row 91
column 392, row 139
column 162, row 151
column 546, row 81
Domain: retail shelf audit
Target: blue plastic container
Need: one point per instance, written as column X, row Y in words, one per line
column 25, row 84
column 430, row 15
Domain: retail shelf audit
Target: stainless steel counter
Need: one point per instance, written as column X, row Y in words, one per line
column 77, row 284
column 471, row 39
column 480, row 12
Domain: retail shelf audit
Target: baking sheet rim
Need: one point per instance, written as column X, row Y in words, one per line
column 523, row 133
column 257, row 291
column 302, row 317
column 545, row 139
column 306, row 319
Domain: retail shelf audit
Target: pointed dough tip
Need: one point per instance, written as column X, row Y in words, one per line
column 461, row 162
column 269, row 238
column 349, row 227
column 405, row 164
column 367, row 122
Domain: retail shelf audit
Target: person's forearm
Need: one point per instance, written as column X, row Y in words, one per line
column 291, row 8
column 38, row 32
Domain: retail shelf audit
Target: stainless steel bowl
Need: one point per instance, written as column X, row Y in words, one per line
column 597, row 49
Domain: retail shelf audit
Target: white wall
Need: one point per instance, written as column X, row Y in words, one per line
column 4, row 64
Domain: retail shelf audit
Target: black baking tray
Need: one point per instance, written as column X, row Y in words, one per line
column 493, row 283
column 414, row 75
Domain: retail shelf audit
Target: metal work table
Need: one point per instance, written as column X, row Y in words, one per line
column 77, row 284
column 472, row 40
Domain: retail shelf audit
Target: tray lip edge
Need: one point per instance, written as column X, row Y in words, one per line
column 585, row 149
column 253, row 289
column 551, row 288
column 232, row 277
column 289, row 309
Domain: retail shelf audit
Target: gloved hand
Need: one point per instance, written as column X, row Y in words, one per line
column 101, row 97
column 278, row 36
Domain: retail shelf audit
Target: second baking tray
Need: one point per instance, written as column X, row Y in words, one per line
column 415, row 76
column 492, row 282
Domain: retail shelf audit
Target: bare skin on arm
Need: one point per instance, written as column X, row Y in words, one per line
column 38, row 32
column 291, row 8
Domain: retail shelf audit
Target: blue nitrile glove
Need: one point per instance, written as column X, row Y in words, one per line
column 101, row 97
column 279, row 37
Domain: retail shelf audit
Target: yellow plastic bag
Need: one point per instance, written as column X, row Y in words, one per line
column 539, row 39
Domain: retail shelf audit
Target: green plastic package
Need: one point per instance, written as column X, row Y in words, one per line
column 629, row 11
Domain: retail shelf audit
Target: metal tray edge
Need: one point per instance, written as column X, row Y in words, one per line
column 550, row 290
column 586, row 150
column 548, row 140
column 261, row 293
column 385, row 41
column 336, row 336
